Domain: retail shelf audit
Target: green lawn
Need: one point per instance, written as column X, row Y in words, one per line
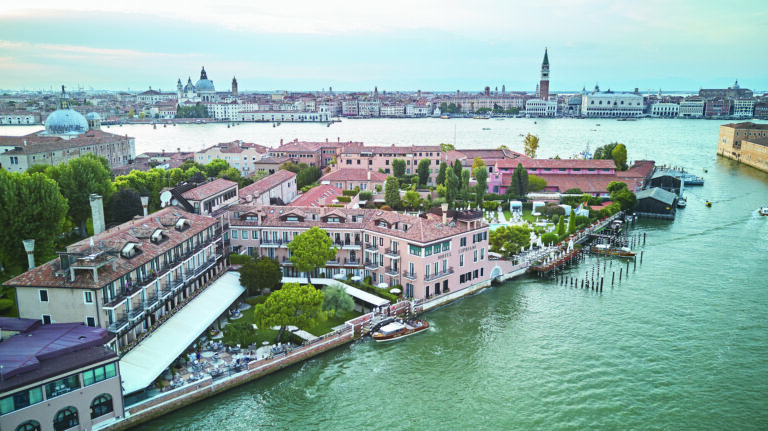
column 526, row 216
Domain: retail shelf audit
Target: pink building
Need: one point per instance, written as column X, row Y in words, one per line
column 318, row 154
column 592, row 176
column 278, row 188
column 428, row 255
column 380, row 157
column 348, row 179
column 319, row 196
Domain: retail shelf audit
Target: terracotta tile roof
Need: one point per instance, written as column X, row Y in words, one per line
column 639, row 169
column 390, row 149
column 272, row 160
column 529, row 163
column 303, row 146
column 314, row 196
column 236, row 147
column 111, row 242
column 746, row 125
column 208, row 189
column 345, row 174
column 267, row 183
column 587, row 183
column 36, row 143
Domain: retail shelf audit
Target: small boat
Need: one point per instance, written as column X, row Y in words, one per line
column 399, row 329
column 763, row 211
column 611, row 251
column 445, row 117
column 682, row 202
column 708, row 204
column 486, row 128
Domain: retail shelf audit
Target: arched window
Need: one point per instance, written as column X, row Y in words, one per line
column 65, row 418
column 101, row 405
column 29, row 426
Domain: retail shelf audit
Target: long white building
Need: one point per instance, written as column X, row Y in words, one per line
column 692, row 107
column 611, row 104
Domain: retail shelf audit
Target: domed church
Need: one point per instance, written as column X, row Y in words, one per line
column 202, row 91
column 65, row 121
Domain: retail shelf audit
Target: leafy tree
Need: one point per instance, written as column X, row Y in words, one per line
column 531, row 145
column 260, row 274
column 465, row 185
column 398, row 168
column 502, row 147
column 311, row 249
column 622, row 196
column 508, row 240
column 307, row 175
column 412, row 199
column 457, row 168
column 214, row 167
column 572, row 222
column 78, row 179
column 477, row 162
column 481, row 188
column 31, row 207
column 549, row 238
column 451, row 187
column 191, row 163
column 619, row 156
column 561, row 227
column 392, row 192
column 124, row 205
column 447, row 147
column 294, row 304
column 615, row 186
column 336, row 300
column 536, row 183
column 241, row 333
column 37, row 168
column 605, row 152
column 366, row 195
column 231, row 174
column 575, row 191
column 423, row 171
column 198, row 110
column 519, row 184
column 441, row 174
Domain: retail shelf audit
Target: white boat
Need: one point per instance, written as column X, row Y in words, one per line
column 763, row 211
column 399, row 329
column 681, row 203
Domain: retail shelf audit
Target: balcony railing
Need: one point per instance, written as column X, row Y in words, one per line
column 395, row 254
column 334, row 262
column 347, row 244
column 272, row 243
column 409, row 275
column 136, row 313
column 441, row 274
column 356, row 262
column 391, row 271
column 151, row 301
column 371, row 247
column 372, row 265
column 121, row 322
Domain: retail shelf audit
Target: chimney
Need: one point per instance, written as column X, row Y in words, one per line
column 29, row 247
column 444, row 208
column 281, row 141
column 144, row 203
column 97, row 212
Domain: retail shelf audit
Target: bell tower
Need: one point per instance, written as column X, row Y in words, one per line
column 544, row 82
column 234, row 87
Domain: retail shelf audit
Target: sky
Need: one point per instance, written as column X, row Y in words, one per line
column 395, row 45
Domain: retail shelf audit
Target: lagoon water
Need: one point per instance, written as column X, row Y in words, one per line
column 681, row 344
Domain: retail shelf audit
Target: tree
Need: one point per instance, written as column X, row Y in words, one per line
column 502, row 147
column 536, row 183
column 575, row 191
column 412, row 199
column 241, row 333
column 615, row 186
column 124, row 205
column 441, row 174
column 447, row 147
column 519, row 184
column 260, row 274
column 31, row 207
column 550, row 238
column 398, row 168
column 605, row 152
column 619, row 155
column 214, row 167
column 311, row 249
column 294, row 304
column 392, row 192
column 572, row 222
column 508, row 240
column 451, row 187
column 531, row 144
column 481, row 188
column 423, row 171
column 477, row 162
column 465, row 185
column 622, row 196
column 78, row 179
column 561, row 227
column 231, row 174
column 336, row 300
column 457, row 168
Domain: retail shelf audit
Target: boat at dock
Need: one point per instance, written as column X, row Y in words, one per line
column 546, row 265
column 763, row 211
column 682, row 202
column 399, row 329
column 607, row 250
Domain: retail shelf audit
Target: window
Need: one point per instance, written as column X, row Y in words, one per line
column 98, row 374
column 20, row 400
column 29, row 426
column 475, row 258
column 234, row 234
column 414, row 251
column 101, row 405
column 463, row 242
column 245, row 234
column 482, row 253
column 65, row 418
column 43, row 295
column 88, row 297
column 90, row 321
column 461, row 260
column 46, row 319
column 62, row 386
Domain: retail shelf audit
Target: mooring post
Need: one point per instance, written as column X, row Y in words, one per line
column 601, row 283
column 620, row 271
column 643, row 238
column 582, row 284
column 613, row 277
column 635, row 265
column 627, row 268
column 641, row 256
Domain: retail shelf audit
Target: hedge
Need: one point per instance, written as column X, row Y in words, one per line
column 349, row 192
column 335, row 206
column 346, row 199
column 238, row 259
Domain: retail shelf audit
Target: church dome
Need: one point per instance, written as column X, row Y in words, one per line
column 205, row 85
column 92, row 116
column 65, row 122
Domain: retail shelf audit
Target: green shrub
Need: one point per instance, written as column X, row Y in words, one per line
column 5, row 305
column 528, row 206
column 494, row 197
column 549, row 238
column 490, row 206
column 238, row 259
column 335, row 206
column 366, row 195
column 555, row 218
column 345, row 199
column 308, row 187
column 349, row 192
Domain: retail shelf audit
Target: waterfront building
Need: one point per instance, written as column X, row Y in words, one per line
column 665, row 110
column 746, row 143
column 732, row 92
column 657, row 203
column 278, row 188
column 369, row 108
column 19, row 118
column 609, row 104
column 692, row 107
column 719, row 107
column 380, row 158
column 153, row 96
column 238, row 154
column 429, row 255
column 490, row 157
column 761, row 110
column 392, row 110
column 544, row 82
column 321, row 115
column 318, row 154
column 127, row 278
column 349, row 178
column 744, row 108
column 57, row 377
column 349, row 108
column 202, row 91
column 540, row 108
column 231, row 110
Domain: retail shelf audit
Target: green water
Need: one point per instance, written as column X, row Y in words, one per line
column 681, row 344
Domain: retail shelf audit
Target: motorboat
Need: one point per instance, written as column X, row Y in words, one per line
column 708, row 204
column 682, row 202
column 612, row 251
column 399, row 329
column 763, row 211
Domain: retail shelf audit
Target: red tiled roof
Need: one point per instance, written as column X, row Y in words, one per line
column 390, row 149
column 587, row 183
column 345, row 174
column 267, row 183
column 529, row 163
column 36, row 143
column 208, row 189
column 236, row 147
column 315, row 194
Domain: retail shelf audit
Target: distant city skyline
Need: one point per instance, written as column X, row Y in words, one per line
column 398, row 46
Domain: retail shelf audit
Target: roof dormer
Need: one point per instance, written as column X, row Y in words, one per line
column 182, row 224
column 130, row 250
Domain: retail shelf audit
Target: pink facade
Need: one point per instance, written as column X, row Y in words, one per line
column 551, row 170
column 318, row 154
column 380, row 158
column 428, row 256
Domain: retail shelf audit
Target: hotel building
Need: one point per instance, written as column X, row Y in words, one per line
column 380, row 157
column 746, row 143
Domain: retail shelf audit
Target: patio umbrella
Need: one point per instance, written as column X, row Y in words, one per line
column 383, row 285
column 357, row 278
column 395, row 291
column 339, row 276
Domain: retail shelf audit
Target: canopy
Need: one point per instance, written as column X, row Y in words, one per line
column 140, row 366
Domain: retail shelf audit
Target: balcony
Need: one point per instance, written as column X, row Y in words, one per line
column 286, row 260
column 334, row 262
column 371, row 265
column 353, row 262
column 273, row 243
column 391, row 271
column 393, row 253
column 371, row 247
column 444, row 273
column 120, row 323
column 136, row 314
column 151, row 301
column 348, row 244
column 409, row 275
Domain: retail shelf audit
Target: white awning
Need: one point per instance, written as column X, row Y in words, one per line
column 141, row 366
column 362, row 295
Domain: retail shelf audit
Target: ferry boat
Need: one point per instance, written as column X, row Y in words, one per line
column 763, row 211
column 399, row 329
column 612, row 251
